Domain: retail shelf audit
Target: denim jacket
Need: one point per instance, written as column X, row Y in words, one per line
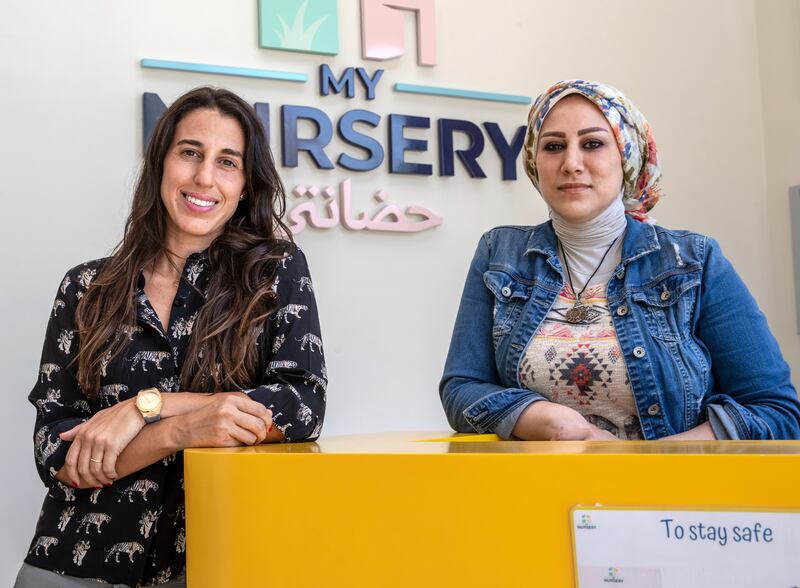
column 693, row 337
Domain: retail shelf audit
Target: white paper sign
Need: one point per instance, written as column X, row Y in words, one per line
column 634, row 548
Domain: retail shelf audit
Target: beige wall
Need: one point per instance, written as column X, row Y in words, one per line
column 718, row 79
column 779, row 60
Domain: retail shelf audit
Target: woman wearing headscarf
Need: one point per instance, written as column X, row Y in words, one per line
column 599, row 324
column 200, row 330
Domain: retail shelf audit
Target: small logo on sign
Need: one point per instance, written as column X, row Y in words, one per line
column 586, row 522
column 299, row 25
column 613, row 577
column 382, row 24
column 313, row 27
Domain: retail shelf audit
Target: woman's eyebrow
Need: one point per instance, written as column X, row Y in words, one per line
column 228, row 151
column 195, row 143
column 592, row 130
column 554, row 134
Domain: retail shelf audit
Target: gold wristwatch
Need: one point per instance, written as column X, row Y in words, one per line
column 148, row 401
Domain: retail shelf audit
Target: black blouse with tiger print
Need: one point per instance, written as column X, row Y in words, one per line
column 133, row 532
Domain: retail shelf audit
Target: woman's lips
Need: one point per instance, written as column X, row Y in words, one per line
column 198, row 202
column 573, row 187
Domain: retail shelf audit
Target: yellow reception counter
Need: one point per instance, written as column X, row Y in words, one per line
column 441, row 510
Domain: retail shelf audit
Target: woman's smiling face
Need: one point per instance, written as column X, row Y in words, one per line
column 203, row 177
column 578, row 161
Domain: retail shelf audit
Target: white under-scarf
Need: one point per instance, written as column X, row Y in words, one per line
column 585, row 243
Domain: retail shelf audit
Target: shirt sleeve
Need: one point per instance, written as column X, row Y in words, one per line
column 295, row 378
column 753, row 387
column 722, row 425
column 505, row 428
column 471, row 390
column 60, row 403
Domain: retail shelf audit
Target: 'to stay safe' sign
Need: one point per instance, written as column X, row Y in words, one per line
column 685, row 548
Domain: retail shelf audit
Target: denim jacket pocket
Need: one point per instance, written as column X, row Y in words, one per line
column 510, row 296
column 667, row 304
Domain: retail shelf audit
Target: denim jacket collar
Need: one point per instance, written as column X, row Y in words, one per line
column 542, row 240
column 640, row 239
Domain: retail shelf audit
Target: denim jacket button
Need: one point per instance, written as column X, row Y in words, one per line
column 622, row 311
column 653, row 410
column 506, row 291
column 639, row 352
column 665, row 295
column 620, row 273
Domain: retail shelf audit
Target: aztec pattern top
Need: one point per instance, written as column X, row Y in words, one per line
column 582, row 366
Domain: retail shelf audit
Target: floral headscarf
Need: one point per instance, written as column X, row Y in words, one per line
column 640, row 170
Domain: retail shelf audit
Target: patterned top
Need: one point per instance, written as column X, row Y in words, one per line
column 133, row 532
column 581, row 365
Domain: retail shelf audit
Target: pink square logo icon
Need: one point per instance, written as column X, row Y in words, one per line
column 382, row 29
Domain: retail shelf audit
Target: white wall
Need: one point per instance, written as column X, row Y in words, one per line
column 71, row 126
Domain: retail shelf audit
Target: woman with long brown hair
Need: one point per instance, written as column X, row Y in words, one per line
column 200, row 330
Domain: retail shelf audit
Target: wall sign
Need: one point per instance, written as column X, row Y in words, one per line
column 372, row 140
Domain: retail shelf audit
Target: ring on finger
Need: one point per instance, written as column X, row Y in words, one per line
column 95, row 460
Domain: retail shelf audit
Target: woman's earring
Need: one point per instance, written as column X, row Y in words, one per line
column 241, row 197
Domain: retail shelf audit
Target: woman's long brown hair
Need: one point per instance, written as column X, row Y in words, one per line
column 244, row 259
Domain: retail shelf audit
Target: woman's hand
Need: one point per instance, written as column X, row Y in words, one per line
column 96, row 444
column 227, row 419
column 702, row 432
column 594, row 433
column 550, row 421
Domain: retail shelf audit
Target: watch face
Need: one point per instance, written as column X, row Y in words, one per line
column 147, row 401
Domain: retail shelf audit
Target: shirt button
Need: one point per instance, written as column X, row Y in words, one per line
column 639, row 352
column 653, row 410
column 622, row 310
column 177, row 302
column 506, row 291
column 665, row 295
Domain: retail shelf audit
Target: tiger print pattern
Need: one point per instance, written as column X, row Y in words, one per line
column 133, row 532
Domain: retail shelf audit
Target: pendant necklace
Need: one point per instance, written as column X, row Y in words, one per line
column 579, row 313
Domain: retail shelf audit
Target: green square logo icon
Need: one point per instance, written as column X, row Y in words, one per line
column 311, row 26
